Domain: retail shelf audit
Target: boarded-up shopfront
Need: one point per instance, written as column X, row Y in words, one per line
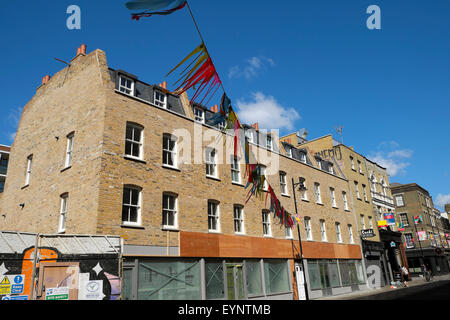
column 67, row 267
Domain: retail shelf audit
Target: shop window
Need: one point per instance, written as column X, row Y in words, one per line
column 314, row 275
column 214, row 280
column 276, row 276
column 164, row 280
column 253, row 270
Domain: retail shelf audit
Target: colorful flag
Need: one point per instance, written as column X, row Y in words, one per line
column 418, row 219
column 200, row 73
column 298, row 219
column 401, row 226
column 151, row 7
column 422, row 235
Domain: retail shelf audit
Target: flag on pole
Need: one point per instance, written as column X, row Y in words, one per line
column 382, row 223
column 151, row 7
column 418, row 219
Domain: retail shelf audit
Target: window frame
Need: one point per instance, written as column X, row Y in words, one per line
column 269, row 142
column 167, row 211
column 323, row 231
column 28, row 169
column 317, row 192
column 214, row 216
column 131, row 89
column 133, row 142
column 235, row 169
column 350, row 234
column 167, row 152
column 283, row 183
column 308, row 228
column 338, row 232
column 211, row 162
column 138, row 206
column 199, row 115
column 157, row 102
column 345, row 200
column 239, row 220
column 333, row 198
column 267, row 224
column 64, row 208
column 402, row 200
column 69, row 150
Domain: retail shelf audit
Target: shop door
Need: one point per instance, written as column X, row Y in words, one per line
column 58, row 281
column 300, row 281
column 235, row 281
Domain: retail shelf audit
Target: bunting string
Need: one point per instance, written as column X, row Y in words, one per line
column 201, row 75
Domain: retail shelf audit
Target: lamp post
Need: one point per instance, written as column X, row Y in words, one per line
column 302, row 187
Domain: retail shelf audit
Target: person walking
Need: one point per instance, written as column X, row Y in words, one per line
column 405, row 274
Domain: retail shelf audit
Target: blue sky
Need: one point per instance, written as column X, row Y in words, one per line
column 302, row 64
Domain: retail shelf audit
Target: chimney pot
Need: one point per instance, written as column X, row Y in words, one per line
column 83, row 49
column 256, row 126
column 164, row 85
column 45, row 79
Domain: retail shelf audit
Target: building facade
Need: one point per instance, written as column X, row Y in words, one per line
column 424, row 235
column 370, row 197
column 121, row 157
column 4, row 159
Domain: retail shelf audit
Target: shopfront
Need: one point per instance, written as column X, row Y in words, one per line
column 206, row 279
column 333, row 277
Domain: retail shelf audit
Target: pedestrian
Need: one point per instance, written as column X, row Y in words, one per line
column 405, row 274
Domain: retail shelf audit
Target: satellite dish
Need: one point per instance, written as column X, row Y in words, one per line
column 302, row 133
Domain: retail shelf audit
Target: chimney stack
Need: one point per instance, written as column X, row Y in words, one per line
column 81, row 50
column 256, row 126
column 215, row 108
column 45, row 79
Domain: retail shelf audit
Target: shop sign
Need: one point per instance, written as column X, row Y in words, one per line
column 390, row 220
column 368, row 233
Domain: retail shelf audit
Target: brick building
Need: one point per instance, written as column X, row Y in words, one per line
column 425, row 230
column 369, row 194
column 99, row 151
column 4, row 159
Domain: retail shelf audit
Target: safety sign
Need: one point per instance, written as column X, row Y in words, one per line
column 12, row 284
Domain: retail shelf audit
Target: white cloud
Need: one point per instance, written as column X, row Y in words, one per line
column 442, row 199
column 394, row 161
column 267, row 112
column 251, row 68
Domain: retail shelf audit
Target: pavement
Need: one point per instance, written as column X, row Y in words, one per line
column 415, row 285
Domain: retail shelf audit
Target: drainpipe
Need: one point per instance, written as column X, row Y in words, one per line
column 33, row 275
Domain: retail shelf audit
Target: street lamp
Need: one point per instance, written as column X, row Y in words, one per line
column 302, row 187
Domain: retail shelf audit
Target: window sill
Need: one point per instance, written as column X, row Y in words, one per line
column 165, row 166
column 237, row 184
column 25, row 186
column 212, row 178
column 240, row 234
column 320, row 203
column 132, row 227
column 347, row 210
column 306, row 200
column 134, row 159
column 168, row 228
column 268, row 236
column 334, row 207
column 66, row 168
column 214, row 231
column 285, row 195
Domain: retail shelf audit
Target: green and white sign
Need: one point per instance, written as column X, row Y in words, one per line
column 57, row 294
